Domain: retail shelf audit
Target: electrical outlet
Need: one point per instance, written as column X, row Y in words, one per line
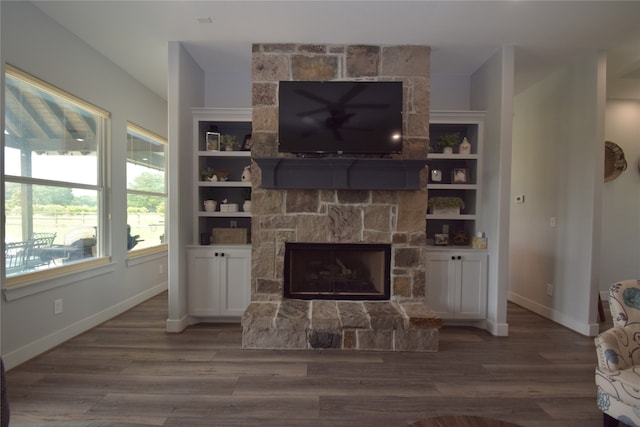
column 57, row 306
column 549, row 289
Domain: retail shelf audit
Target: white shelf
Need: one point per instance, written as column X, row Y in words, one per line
column 452, row 186
column 212, row 184
column 212, row 153
column 461, row 217
column 453, row 248
column 224, row 214
column 442, row 156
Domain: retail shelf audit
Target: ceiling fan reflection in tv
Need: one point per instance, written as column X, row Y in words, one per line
column 341, row 117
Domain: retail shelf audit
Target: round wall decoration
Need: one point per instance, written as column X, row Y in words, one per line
column 614, row 161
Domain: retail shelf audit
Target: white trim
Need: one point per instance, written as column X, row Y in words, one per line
column 222, row 114
column 139, row 130
column 46, row 87
column 141, row 256
column 47, row 282
column 50, row 341
column 497, row 329
column 178, row 325
column 554, row 315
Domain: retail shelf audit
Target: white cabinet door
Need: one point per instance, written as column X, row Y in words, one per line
column 440, row 285
column 235, row 277
column 203, row 285
column 472, row 298
column 457, row 284
column 218, row 280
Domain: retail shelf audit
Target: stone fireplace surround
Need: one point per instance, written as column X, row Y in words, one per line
column 339, row 215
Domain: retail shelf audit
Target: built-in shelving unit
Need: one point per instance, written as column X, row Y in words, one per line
column 236, row 122
column 219, row 272
column 468, row 125
column 456, row 273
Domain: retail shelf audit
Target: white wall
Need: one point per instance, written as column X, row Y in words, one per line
column 36, row 44
column 492, row 91
column 620, row 250
column 557, row 165
column 449, row 92
column 186, row 90
column 229, row 90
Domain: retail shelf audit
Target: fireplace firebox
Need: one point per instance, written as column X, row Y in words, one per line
column 337, row 271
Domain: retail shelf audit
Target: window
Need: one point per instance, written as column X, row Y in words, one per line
column 146, row 189
column 53, row 176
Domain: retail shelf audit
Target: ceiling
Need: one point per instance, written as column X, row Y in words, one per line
column 462, row 34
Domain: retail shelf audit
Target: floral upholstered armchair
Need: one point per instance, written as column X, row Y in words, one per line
column 618, row 350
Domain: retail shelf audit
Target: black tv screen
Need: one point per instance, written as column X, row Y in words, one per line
column 340, row 117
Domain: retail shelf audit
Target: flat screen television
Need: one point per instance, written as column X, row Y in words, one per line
column 343, row 117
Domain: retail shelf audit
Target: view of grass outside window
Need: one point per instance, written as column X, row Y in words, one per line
column 146, row 188
column 53, row 185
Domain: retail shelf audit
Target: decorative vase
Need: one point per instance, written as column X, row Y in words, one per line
column 246, row 174
column 246, row 206
column 447, row 150
column 465, row 147
column 210, row 205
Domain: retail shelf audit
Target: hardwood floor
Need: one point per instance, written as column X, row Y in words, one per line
column 129, row 370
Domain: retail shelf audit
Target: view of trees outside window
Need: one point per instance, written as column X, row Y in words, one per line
column 53, row 146
column 146, row 188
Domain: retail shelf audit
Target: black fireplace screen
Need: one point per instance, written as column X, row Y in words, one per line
column 337, row 271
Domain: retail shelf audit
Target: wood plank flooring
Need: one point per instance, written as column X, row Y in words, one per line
column 129, row 370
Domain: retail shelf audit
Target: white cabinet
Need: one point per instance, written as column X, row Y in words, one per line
column 218, row 280
column 457, row 284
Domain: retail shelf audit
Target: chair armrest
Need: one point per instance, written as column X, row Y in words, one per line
column 618, row 348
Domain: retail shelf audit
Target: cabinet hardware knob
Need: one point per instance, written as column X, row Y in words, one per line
column 216, row 254
column 221, row 253
column 453, row 257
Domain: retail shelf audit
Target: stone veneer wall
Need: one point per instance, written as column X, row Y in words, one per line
column 339, row 216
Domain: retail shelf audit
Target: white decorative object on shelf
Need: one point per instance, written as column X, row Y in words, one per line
column 246, row 206
column 210, row 205
column 246, row 174
column 228, row 207
column 465, row 146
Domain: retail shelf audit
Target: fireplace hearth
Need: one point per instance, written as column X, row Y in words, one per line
column 337, row 271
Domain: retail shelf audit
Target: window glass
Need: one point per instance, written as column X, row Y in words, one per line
column 52, row 175
column 146, row 188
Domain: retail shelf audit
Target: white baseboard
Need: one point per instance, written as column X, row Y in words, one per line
column 556, row 316
column 178, row 325
column 44, row 344
column 497, row 329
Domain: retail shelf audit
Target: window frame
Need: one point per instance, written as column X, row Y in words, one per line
column 103, row 255
column 155, row 138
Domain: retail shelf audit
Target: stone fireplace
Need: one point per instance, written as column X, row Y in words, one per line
column 282, row 217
